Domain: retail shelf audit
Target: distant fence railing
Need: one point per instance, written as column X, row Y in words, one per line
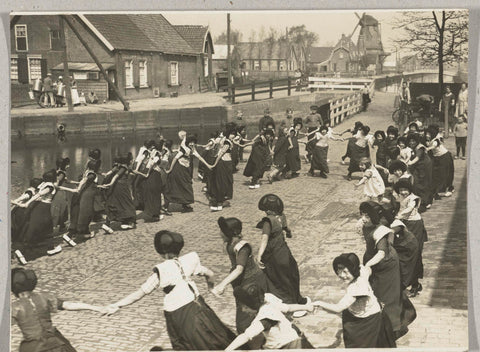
column 259, row 87
column 343, row 107
column 318, row 83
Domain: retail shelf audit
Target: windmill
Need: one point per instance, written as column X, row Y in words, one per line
column 369, row 42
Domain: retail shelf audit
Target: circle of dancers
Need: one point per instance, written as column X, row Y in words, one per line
column 411, row 172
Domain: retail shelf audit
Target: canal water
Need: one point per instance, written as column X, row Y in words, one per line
column 32, row 156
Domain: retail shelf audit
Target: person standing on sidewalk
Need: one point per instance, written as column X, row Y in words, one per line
column 461, row 132
column 447, row 107
column 48, row 89
column 405, row 101
column 462, row 106
column 320, row 152
column 365, row 97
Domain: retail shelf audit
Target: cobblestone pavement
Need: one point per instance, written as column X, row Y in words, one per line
column 321, row 213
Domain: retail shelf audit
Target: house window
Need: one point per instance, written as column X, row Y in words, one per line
column 205, row 66
column 256, row 65
column 55, row 43
column 129, row 74
column 174, row 73
column 35, row 68
column 21, row 37
column 340, row 55
column 142, row 73
column 14, row 69
column 94, row 76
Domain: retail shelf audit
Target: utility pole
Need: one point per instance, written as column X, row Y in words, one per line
column 229, row 59
column 66, row 72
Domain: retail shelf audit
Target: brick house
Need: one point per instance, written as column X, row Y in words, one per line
column 263, row 60
column 143, row 54
column 318, row 58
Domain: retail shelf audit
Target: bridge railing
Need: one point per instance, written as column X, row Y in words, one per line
column 323, row 83
column 344, row 107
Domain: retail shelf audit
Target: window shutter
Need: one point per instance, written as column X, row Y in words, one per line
column 169, row 72
column 136, row 75
column 44, row 67
column 22, row 70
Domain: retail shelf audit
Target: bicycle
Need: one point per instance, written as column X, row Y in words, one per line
column 402, row 116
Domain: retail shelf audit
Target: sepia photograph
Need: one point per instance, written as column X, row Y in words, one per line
column 239, row 180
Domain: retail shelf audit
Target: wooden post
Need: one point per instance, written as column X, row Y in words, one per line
column 253, row 90
column 233, row 94
column 66, row 73
column 289, row 83
column 271, row 89
column 94, row 57
column 229, row 59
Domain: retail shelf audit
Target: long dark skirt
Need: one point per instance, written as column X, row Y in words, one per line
column 55, row 343
column 179, row 185
column 422, row 180
column 282, row 270
column 138, row 192
column 195, row 326
column 319, row 159
column 18, row 218
column 119, row 202
column 39, row 225
column 222, row 181
column 293, row 159
column 356, row 153
column 153, row 187
column 407, row 249
column 443, row 172
column 82, row 210
column 203, row 171
column 60, row 208
column 417, row 228
column 385, row 282
column 257, row 163
column 370, row 332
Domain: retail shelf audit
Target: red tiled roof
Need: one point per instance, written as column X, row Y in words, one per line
column 140, row 32
column 195, row 35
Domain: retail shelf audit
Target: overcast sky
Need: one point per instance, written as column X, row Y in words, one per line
column 328, row 25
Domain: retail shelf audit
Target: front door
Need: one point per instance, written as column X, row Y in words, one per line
column 112, row 74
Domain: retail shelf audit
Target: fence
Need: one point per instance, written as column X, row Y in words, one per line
column 343, row 107
column 317, row 83
column 273, row 86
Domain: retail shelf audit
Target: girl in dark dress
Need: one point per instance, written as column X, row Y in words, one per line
column 270, row 321
column 274, row 256
column 119, row 203
column 155, row 183
column 365, row 324
column 82, row 205
column 279, row 155
column 221, row 179
column 209, row 153
column 351, row 141
column 19, row 217
column 420, row 167
column 38, row 227
column 61, row 200
column 191, row 323
column 385, row 280
column 244, row 273
column 31, row 311
column 442, row 168
column 257, row 163
column 140, row 164
column 409, row 214
column 391, row 144
column 358, row 150
column 179, row 180
column 293, row 164
column 320, row 152
column 379, row 142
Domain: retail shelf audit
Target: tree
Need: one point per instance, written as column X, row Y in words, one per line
column 300, row 35
column 439, row 36
column 235, row 37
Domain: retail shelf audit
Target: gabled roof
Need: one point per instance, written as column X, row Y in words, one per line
column 142, row 32
column 319, row 54
column 195, row 35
